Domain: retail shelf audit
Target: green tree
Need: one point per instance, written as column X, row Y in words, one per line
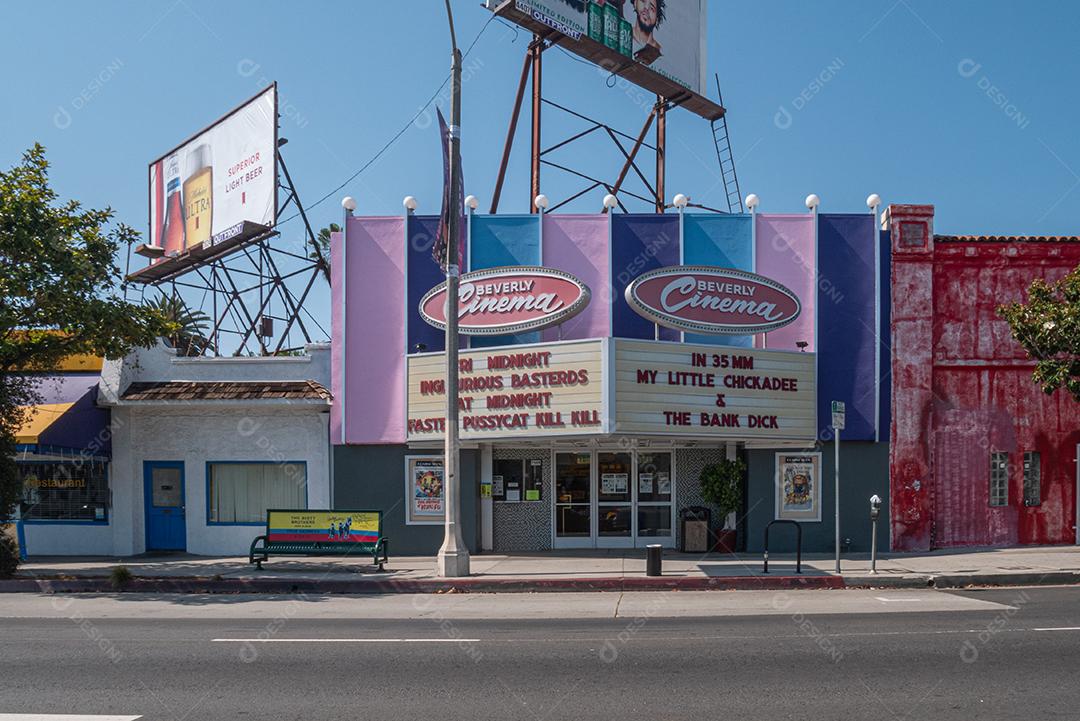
column 62, row 295
column 1048, row 327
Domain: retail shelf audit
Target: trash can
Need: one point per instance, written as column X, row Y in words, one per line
column 695, row 529
column 654, row 554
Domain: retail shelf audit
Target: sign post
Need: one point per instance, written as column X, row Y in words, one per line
column 838, row 425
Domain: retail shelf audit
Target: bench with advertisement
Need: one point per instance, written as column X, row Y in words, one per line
column 321, row 533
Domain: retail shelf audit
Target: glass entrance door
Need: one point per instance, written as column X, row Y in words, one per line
column 613, row 499
column 653, row 487
column 573, row 500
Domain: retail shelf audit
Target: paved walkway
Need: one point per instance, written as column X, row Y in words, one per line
column 582, row 570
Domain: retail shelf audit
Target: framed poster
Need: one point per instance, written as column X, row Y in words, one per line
column 798, row 486
column 424, row 490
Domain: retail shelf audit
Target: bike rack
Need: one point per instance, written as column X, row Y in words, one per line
column 798, row 543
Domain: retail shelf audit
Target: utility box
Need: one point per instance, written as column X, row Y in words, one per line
column 695, row 529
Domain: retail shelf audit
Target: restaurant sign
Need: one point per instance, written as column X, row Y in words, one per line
column 508, row 300
column 708, row 299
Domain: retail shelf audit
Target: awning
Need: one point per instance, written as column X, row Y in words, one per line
column 38, row 419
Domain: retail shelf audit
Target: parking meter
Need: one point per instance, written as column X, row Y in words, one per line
column 875, row 511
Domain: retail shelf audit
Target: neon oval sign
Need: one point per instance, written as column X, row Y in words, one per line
column 509, row 299
column 708, row 299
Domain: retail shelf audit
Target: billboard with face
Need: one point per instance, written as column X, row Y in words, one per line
column 669, row 37
column 203, row 191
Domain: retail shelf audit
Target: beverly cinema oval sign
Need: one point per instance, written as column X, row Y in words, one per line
column 708, row 299
column 510, row 299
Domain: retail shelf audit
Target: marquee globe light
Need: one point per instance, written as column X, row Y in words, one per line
column 409, row 203
column 812, row 201
column 610, row 201
column 471, row 202
column 680, row 200
column 348, row 203
column 873, row 201
column 752, row 201
column 541, row 201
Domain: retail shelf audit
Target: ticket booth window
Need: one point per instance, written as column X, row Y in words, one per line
column 517, row 481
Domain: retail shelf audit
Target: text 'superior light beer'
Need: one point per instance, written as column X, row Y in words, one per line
column 198, row 195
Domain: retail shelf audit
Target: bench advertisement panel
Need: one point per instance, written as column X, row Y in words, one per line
column 322, row 526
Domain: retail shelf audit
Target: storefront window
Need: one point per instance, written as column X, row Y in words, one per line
column 517, row 480
column 572, row 498
column 1032, row 478
column 242, row 492
column 65, row 491
column 999, row 479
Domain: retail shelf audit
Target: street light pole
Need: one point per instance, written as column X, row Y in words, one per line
column 453, row 559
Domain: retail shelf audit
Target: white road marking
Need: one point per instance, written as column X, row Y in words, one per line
column 884, row 599
column 342, row 640
column 62, row 717
column 1059, row 628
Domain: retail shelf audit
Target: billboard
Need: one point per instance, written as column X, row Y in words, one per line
column 667, row 36
column 204, row 191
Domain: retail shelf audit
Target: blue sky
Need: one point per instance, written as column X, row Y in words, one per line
column 968, row 105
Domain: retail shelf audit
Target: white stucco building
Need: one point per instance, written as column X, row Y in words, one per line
column 200, row 448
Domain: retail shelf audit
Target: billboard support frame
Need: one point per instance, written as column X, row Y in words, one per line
column 248, row 277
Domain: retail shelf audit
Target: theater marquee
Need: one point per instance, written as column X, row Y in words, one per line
column 714, row 391
column 618, row 387
column 521, row 391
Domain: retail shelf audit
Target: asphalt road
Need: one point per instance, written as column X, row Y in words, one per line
column 996, row 654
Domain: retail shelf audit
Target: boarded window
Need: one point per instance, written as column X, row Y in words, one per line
column 999, row 479
column 1032, row 478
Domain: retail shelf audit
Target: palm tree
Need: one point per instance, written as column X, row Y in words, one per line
column 323, row 242
column 188, row 336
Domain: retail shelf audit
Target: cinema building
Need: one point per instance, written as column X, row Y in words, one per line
column 594, row 384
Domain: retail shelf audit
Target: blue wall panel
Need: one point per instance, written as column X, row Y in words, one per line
column 885, row 385
column 424, row 274
column 504, row 240
column 723, row 240
column 640, row 243
column 846, row 332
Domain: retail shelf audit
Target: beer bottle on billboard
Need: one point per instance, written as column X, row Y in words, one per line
column 198, row 195
column 172, row 232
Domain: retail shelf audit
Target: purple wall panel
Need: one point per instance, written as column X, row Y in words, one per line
column 785, row 253
column 578, row 244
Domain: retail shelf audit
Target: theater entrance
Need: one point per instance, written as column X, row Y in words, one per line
column 613, row 499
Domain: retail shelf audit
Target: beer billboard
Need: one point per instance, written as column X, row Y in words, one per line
column 205, row 190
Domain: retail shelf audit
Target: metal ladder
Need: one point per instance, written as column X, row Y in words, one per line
column 722, row 141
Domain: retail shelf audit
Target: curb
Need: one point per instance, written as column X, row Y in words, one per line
column 479, row 584
column 196, row 585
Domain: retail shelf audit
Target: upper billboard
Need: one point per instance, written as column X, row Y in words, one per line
column 204, row 191
column 647, row 41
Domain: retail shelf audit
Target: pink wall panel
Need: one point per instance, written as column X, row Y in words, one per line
column 374, row 330
column 578, row 244
column 786, row 253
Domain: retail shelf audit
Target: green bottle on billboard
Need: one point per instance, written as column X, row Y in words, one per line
column 596, row 22
column 611, row 27
column 626, row 38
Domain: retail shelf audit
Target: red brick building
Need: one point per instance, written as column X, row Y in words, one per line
column 978, row 455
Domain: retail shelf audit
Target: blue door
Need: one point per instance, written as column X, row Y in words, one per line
column 166, row 528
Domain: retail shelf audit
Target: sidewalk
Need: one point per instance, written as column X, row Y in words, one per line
column 555, row 571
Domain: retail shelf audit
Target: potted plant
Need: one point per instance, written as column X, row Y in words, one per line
column 721, row 487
